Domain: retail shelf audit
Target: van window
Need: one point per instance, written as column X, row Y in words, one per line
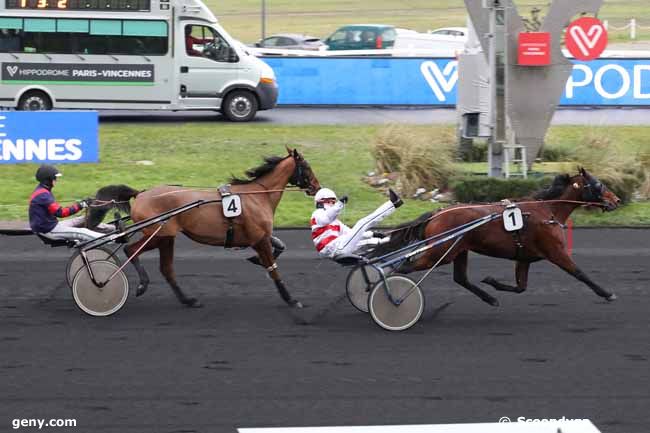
column 40, row 25
column 203, row 41
column 82, row 36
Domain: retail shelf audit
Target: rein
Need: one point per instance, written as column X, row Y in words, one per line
column 268, row 191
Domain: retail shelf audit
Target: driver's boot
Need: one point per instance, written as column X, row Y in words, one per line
column 278, row 248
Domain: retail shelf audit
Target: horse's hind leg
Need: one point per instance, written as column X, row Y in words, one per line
column 460, row 276
column 521, row 275
column 166, row 248
column 265, row 253
column 143, row 285
column 562, row 260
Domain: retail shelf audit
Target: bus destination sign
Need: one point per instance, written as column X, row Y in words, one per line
column 81, row 5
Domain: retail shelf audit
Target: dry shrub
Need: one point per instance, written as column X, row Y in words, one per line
column 424, row 158
column 644, row 160
column 622, row 173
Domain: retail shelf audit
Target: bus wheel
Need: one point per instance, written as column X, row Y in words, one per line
column 34, row 100
column 239, row 106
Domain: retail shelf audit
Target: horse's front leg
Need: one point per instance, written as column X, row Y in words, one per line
column 265, row 254
column 562, row 260
column 521, row 276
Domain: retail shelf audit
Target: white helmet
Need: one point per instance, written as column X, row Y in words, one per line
column 324, row 194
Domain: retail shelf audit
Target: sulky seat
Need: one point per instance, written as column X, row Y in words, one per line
column 56, row 242
column 349, row 259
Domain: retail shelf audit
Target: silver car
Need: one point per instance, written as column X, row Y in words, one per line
column 291, row 41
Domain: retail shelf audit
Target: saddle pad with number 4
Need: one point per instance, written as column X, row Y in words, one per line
column 231, row 205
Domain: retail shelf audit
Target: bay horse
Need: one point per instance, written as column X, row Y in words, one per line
column 260, row 193
column 541, row 238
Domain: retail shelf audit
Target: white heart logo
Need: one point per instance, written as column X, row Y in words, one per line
column 586, row 41
column 12, row 70
column 441, row 82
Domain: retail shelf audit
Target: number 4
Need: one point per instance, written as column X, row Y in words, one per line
column 232, row 207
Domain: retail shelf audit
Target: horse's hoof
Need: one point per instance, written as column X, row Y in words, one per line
column 142, row 288
column 296, row 304
column 192, row 303
column 488, row 280
column 611, row 298
column 494, row 302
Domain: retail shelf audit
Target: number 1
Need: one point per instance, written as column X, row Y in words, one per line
column 514, row 219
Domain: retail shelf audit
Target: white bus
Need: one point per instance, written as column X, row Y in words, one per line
column 127, row 54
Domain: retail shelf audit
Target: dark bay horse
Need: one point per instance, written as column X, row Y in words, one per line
column 260, row 192
column 542, row 237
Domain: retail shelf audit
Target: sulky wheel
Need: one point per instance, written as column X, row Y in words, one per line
column 100, row 301
column 76, row 262
column 360, row 281
column 399, row 315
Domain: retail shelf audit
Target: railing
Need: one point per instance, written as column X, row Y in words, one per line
column 633, row 26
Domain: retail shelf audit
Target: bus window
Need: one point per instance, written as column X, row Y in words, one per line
column 202, row 41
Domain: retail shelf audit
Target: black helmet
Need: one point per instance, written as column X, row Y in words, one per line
column 46, row 174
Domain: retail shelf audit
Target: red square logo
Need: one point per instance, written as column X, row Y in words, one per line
column 534, row 49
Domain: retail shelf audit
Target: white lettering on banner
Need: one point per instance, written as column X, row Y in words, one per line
column 441, row 82
column 571, row 84
column 638, row 82
column 598, row 82
column 54, row 149
column 599, row 79
column 610, row 81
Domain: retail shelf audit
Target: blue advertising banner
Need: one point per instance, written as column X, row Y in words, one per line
column 48, row 136
column 417, row 81
column 365, row 81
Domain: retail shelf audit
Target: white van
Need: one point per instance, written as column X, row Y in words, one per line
column 127, row 54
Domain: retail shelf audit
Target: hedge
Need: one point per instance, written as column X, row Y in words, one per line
column 470, row 189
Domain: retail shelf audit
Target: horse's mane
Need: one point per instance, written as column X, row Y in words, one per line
column 270, row 162
column 555, row 190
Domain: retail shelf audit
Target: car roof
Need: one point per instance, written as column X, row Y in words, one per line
column 458, row 29
column 367, row 26
column 292, row 35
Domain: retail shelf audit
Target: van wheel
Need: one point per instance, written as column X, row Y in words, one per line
column 34, row 100
column 240, row 106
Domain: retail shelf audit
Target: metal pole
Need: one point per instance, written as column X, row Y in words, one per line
column 497, row 87
column 263, row 19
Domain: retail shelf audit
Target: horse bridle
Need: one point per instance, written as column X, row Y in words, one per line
column 595, row 190
column 298, row 177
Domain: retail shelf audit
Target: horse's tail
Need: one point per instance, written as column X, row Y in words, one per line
column 404, row 235
column 107, row 198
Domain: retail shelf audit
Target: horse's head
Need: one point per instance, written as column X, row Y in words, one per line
column 303, row 176
column 592, row 190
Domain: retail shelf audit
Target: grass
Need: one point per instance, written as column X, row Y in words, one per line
column 201, row 154
column 242, row 18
